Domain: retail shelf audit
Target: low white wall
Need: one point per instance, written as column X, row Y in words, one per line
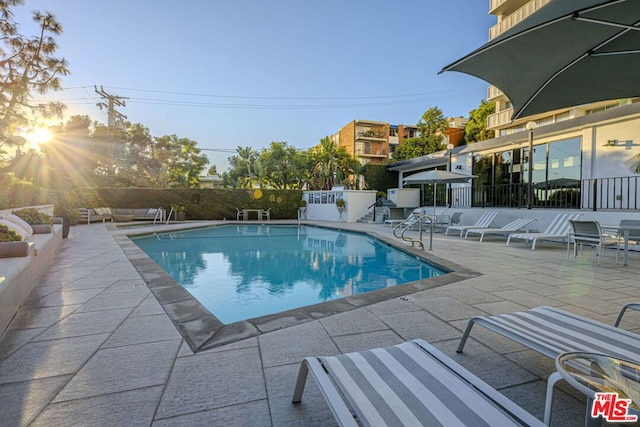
column 47, row 209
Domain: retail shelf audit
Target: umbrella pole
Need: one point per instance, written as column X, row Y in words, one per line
column 434, row 200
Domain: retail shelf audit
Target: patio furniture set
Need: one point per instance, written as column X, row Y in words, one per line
column 565, row 227
column 89, row 215
column 261, row 214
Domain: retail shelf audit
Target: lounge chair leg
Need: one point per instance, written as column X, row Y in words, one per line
column 551, row 383
column 465, row 335
column 300, row 382
column 338, row 407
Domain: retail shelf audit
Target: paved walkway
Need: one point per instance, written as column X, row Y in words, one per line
column 92, row 346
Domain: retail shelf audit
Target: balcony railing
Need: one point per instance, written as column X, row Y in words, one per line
column 516, row 17
column 372, row 134
column 494, row 93
column 619, row 193
column 494, row 4
column 376, row 152
column 499, row 119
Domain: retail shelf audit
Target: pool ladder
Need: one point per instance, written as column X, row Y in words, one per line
column 419, row 220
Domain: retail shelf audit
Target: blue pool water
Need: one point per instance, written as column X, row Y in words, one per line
column 246, row 271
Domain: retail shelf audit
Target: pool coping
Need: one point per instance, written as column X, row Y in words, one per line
column 202, row 330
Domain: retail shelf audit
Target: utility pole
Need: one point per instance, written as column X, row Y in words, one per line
column 114, row 117
column 115, row 120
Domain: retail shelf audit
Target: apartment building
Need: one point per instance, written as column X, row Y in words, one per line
column 508, row 14
column 372, row 142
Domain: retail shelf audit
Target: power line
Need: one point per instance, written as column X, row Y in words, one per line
column 380, row 100
column 219, row 150
column 151, row 101
column 282, row 98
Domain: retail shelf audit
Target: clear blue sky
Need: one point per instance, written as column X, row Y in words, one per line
column 229, row 73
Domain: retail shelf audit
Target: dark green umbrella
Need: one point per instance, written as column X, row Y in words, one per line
column 569, row 52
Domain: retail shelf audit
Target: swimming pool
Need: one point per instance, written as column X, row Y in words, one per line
column 240, row 272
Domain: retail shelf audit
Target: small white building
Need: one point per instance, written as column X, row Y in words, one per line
column 321, row 205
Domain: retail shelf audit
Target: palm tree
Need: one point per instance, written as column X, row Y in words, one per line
column 247, row 157
column 355, row 170
column 329, row 157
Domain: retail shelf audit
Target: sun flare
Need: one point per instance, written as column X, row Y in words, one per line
column 38, row 136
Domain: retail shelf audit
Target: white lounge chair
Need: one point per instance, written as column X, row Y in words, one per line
column 551, row 331
column 412, row 217
column 516, row 225
column 412, row 383
column 558, row 229
column 483, row 222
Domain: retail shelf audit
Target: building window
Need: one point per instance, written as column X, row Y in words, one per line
column 606, row 107
column 503, row 177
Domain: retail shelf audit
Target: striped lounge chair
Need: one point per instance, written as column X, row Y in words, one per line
column 483, row 222
column 551, row 332
column 558, row 229
column 516, row 225
column 408, row 384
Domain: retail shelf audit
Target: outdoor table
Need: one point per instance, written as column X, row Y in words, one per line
column 592, row 373
column 625, row 230
column 246, row 212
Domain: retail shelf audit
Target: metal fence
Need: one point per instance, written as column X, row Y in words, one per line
column 620, row 193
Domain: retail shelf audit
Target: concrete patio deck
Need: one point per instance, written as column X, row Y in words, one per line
column 93, row 346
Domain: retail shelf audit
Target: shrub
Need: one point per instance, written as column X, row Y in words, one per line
column 33, row 216
column 7, row 235
column 66, row 206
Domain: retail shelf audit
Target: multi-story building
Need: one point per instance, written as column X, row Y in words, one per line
column 583, row 157
column 510, row 13
column 372, row 142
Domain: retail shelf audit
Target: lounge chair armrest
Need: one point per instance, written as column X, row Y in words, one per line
column 631, row 305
